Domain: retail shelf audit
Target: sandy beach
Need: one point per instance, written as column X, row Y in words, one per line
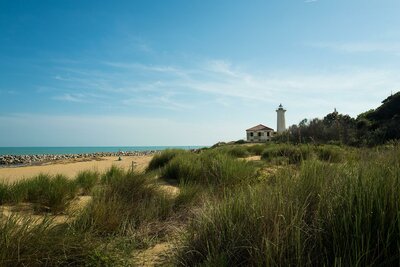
column 72, row 168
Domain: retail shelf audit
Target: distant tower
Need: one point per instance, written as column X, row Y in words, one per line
column 281, row 125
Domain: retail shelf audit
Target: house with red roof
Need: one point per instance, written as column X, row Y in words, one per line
column 259, row 133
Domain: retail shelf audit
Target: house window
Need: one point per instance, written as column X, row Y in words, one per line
column 259, row 134
column 268, row 133
column 251, row 134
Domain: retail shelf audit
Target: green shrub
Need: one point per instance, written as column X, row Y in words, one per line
column 46, row 192
column 86, row 180
column 256, row 149
column 163, row 158
column 112, row 173
column 322, row 215
column 294, row 154
column 27, row 242
column 248, row 228
column 212, row 168
column 329, row 153
column 182, row 167
column 238, row 152
column 188, row 194
column 4, row 191
column 127, row 201
column 234, row 151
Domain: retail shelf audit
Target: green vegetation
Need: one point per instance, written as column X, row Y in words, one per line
column 46, row 192
column 321, row 214
column 162, row 159
column 234, row 151
column 374, row 127
column 256, row 149
column 293, row 154
column 124, row 203
column 210, row 169
column 86, row 180
column 294, row 205
column 27, row 242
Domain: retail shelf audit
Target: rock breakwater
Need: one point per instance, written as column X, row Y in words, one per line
column 23, row 160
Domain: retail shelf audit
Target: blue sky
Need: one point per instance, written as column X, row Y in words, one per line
column 88, row 73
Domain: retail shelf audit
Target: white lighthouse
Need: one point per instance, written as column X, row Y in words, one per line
column 281, row 125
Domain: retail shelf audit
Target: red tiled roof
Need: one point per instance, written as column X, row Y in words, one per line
column 259, row 127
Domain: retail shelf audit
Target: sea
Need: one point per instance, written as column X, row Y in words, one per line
column 82, row 149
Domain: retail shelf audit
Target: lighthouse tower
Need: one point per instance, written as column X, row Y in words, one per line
column 281, row 125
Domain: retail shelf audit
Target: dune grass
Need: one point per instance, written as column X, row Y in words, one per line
column 86, row 180
column 27, row 242
column 333, row 206
column 294, row 154
column 330, row 153
column 3, row 193
column 128, row 201
column 46, row 192
column 256, row 149
column 210, row 169
column 236, row 151
column 322, row 215
column 160, row 160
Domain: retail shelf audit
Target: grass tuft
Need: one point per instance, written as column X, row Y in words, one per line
column 28, row 242
column 209, row 168
column 126, row 201
column 46, row 192
column 293, row 154
column 160, row 160
column 86, row 180
column 323, row 214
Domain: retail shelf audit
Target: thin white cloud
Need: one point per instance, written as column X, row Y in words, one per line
column 222, row 82
column 360, row 47
column 9, row 92
column 310, row 1
column 220, row 67
column 77, row 98
column 143, row 67
column 163, row 102
column 214, row 99
column 60, row 78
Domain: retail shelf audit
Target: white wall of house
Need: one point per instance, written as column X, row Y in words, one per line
column 259, row 136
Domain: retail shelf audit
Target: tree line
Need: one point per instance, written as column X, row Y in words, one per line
column 373, row 127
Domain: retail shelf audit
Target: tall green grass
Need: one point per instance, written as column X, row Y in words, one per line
column 27, row 242
column 330, row 153
column 4, row 197
column 160, row 160
column 209, row 168
column 125, row 202
column 334, row 208
column 46, row 192
column 294, row 154
column 256, row 149
column 322, row 215
column 236, row 151
column 86, row 180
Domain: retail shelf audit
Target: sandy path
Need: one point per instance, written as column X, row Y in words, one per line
column 70, row 169
column 154, row 256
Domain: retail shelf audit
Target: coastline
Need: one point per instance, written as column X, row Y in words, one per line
column 70, row 168
column 39, row 159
